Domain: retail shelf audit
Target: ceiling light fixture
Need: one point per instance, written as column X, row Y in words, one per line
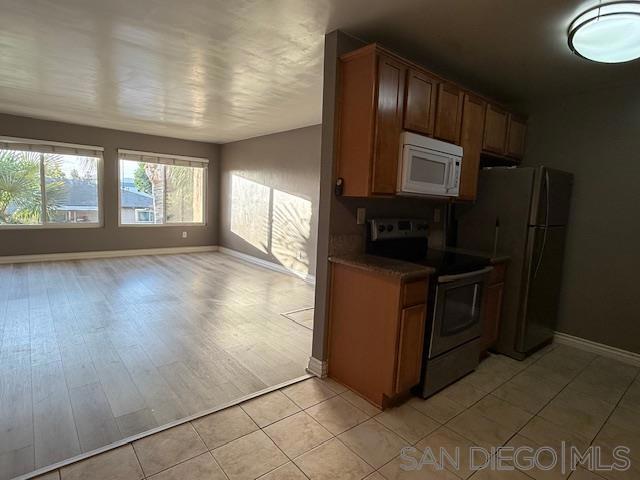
column 607, row 33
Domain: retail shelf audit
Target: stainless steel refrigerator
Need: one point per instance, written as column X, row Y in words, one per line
column 522, row 212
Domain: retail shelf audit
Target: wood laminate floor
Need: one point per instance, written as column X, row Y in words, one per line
column 94, row 351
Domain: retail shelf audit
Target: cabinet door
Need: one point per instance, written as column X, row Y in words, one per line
column 495, row 130
column 420, row 105
column 471, row 141
column 492, row 312
column 411, row 340
column 515, row 137
column 449, row 113
column 389, row 117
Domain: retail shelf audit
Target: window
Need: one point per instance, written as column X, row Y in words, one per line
column 158, row 189
column 49, row 184
column 144, row 216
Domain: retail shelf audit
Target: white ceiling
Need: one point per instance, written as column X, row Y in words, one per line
column 222, row 70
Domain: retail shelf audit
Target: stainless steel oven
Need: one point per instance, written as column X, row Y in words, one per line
column 453, row 324
column 457, row 310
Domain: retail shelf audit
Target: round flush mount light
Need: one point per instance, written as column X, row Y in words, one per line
column 607, row 33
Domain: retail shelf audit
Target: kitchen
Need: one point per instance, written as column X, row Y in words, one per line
column 453, row 298
column 462, row 203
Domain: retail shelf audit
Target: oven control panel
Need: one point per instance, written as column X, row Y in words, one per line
column 390, row 228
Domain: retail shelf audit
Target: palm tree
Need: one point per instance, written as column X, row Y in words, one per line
column 184, row 195
column 21, row 189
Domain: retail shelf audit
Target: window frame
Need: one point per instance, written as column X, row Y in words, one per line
column 99, row 178
column 136, row 211
column 205, row 192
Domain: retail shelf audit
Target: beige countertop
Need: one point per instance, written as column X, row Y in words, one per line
column 385, row 266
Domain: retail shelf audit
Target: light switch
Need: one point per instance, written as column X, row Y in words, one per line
column 184, row 234
column 436, row 215
column 361, row 215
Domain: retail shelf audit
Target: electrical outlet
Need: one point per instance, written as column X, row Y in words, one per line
column 361, row 215
column 184, row 234
column 436, row 215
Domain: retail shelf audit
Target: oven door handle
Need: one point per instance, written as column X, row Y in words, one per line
column 462, row 276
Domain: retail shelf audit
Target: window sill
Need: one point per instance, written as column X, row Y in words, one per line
column 152, row 225
column 50, row 226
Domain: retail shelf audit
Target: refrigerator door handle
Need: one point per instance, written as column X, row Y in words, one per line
column 547, row 184
column 546, row 227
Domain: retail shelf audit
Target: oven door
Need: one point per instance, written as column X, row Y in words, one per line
column 427, row 172
column 457, row 314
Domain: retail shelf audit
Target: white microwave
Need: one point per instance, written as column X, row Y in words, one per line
column 428, row 166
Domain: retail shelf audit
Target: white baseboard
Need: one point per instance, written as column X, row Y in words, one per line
column 318, row 368
column 267, row 264
column 53, row 257
column 599, row 348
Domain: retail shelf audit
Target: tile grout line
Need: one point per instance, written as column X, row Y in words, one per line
column 484, row 396
column 616, row 406
column 547, row 404
column 533, row 416
column 336, row 437
column 133, row 447
column 209, row 451
column 554, row 397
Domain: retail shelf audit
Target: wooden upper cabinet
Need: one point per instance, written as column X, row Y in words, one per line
column 380, row 94
column 449, row 113
column 473, row 112
column 495, row 130
column 515, row 136
column 389, row 118
column 420, row 104
column 370, row 118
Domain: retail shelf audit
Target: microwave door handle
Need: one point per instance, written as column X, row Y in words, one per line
column 451, row 175
column 447, row 175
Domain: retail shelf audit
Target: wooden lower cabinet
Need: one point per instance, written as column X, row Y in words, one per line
column 376, row 332
column 493, row 308
column 412, row 321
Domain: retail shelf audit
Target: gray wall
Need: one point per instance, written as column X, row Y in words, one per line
column 337, row 228
column 110, row 236
column 596, row 136
column 269, row 197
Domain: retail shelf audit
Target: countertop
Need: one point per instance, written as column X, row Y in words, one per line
column 386, row 266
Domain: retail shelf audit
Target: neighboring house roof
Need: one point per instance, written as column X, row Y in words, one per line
column 82, row 193
column 129, row 199
column 128, row 183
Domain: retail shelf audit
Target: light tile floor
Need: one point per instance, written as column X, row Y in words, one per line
column 318, row 429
